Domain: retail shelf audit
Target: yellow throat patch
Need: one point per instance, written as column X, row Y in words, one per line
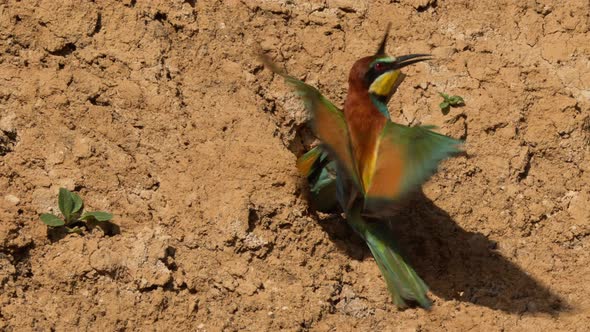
column 383, row 84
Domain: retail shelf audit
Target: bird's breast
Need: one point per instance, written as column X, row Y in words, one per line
column 365, row 124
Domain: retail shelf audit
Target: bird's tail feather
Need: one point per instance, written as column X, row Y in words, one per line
column 402, row 281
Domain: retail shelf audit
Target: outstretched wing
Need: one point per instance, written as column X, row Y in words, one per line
column 327, row 120
column 406, row 158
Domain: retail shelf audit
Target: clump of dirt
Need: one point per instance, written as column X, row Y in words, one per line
column 161, row 114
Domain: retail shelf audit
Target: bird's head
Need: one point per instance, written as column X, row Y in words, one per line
column 379, row 73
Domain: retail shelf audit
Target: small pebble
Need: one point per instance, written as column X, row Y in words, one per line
column 12, row 199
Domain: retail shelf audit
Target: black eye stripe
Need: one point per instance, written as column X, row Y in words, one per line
column 375, row 71
column 372, row 76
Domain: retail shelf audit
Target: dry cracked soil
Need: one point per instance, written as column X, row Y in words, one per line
column 160, row 112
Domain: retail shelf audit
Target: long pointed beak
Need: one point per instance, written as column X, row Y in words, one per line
column 410, row 59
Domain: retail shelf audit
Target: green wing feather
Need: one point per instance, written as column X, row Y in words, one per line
column 327, row 120
column 425, row 150
column 310, row 161
column 406, row 158
column 320, row 172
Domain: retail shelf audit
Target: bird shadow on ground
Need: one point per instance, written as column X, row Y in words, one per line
column 455, row 263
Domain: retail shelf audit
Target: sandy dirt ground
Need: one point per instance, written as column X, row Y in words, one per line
column 160, row 113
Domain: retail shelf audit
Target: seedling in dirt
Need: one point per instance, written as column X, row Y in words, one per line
column 450, row 101
column 71, row 206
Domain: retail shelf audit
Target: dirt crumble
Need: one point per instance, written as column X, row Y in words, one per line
column 160, row 113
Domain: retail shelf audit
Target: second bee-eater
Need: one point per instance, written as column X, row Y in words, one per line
column 371, row 162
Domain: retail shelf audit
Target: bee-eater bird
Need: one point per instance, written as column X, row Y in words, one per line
column 374, row 162
column 320, row 170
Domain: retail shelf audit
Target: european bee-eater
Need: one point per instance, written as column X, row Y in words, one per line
column 373, row 161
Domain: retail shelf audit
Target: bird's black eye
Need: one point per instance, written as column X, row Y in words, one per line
column 379, row 66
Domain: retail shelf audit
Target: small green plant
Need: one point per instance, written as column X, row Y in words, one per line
column 71, row 206
column 450, row 101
